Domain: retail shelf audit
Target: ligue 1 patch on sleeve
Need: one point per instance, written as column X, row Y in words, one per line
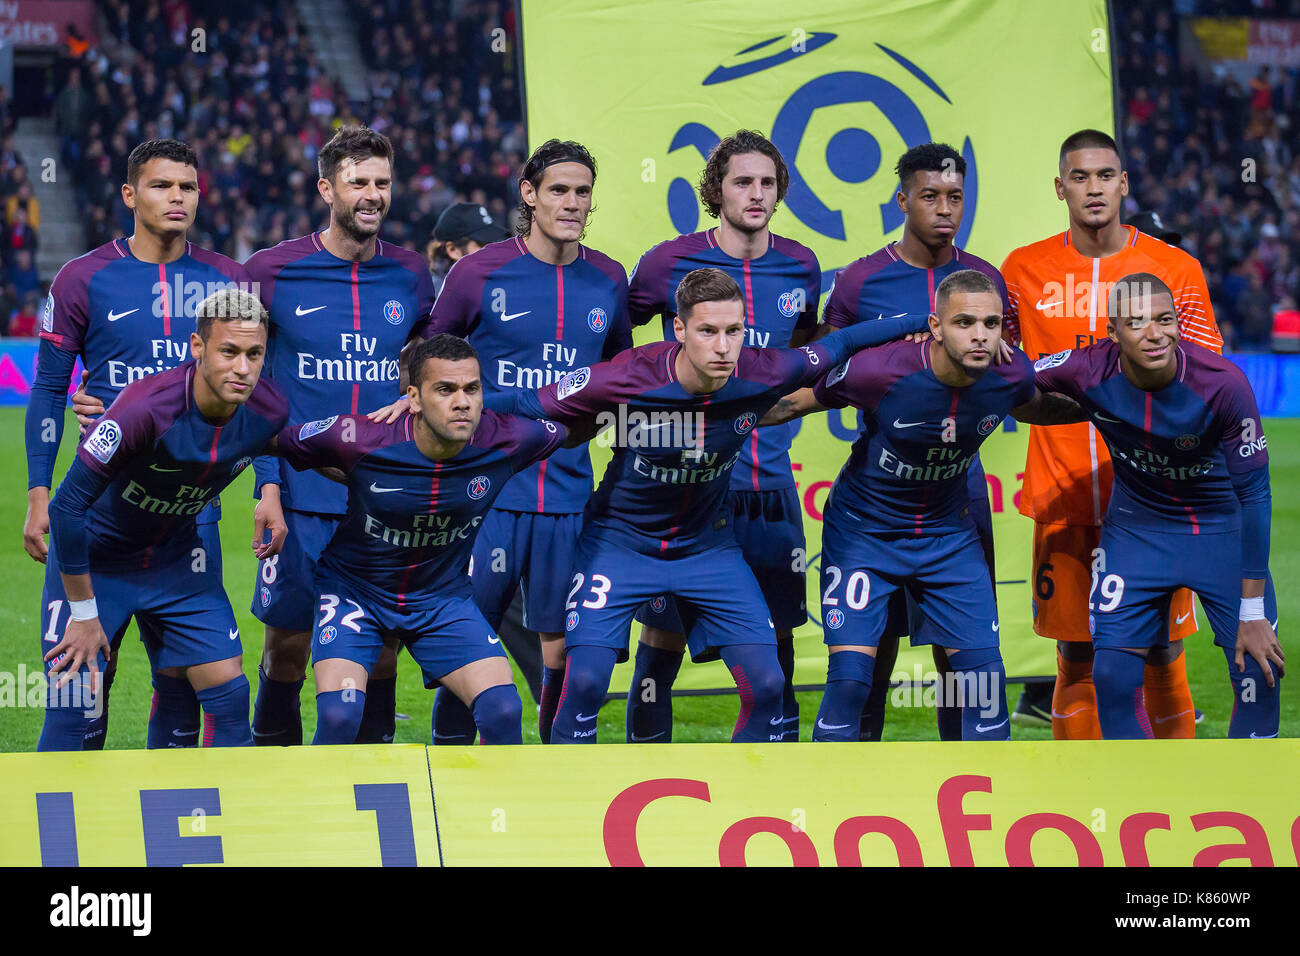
column 103, row 441
column 1051, row 361
column 573, row 383
column 47, row 319
column 838, row 373
column 315, row 428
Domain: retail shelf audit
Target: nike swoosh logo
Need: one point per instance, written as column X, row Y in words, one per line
column 898, row 424
column 1261, row 736
column 507, row 318
column 881, row 315
column 438, row 736
column 996, row 625
column 379, row 491
column 770, row 624
column 648, row 427
column 185, row 733
column 642, row 740
column 1165, row 720
column 1077, row 710
column 583, row 718
column 776, row 721
column 157, row 468
column 1182, row 617
column 1107, row 418
column 494, row 640
column 981, row 729
column 234, row 634
column 1044, row 306
column 386, row 738
column 114, row 316
column 825, row 726
column 301, row 311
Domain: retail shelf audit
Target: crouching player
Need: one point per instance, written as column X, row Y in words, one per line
column 1191, row 506
column 658, row 524
column 899, row 514
column 395, row 570
column 123, row 536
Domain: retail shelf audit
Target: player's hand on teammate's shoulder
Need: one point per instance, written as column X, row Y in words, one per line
column 269, row 516
column 390, row 413
column 82, row 642
column 37, row 524
column 1004, row 354
column 1259, row 640
column 916, row 337
column 87, row 407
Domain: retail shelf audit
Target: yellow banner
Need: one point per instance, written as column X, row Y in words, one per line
column 843, row 89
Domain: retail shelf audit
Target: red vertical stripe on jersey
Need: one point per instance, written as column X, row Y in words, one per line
column 749, row 296
column 686, row 496
column 753, row 453
column 1146, row 418
column 929, row 283
column 212, row 455
column 559, row 302
column 541, row 486
column 166, row 300
column 356, row 396
column 356, row 299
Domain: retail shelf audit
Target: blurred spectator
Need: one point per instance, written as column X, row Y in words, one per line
column 25, row 200
column 23, row 273
column 26, row 321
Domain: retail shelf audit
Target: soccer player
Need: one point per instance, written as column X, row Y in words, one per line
column 900, row 515
column 535, row 307
column 127, row 309
column 1057, row 291
column 658, row 523
column 744, row 181
column 901, row 278
column 343, row 303
column 123, row 536
column 394, row 571
column 1190, row 506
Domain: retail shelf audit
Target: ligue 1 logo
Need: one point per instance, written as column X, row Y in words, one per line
column 571, row 621
column 788, row 303
column 745, row 422
column 597, row 320
column 988, row 423
column 834, row 619
column 478, row 486
column 266, row 597
column 393, row 312
column 658, row 603
column 1186, row 442
column 328, row 633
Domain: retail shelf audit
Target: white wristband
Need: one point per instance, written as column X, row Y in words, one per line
column 87, row 611
column 1252, row 609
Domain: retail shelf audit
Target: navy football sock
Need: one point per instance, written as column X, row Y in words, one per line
column 453, row 724
column 980, row 682
column 789, row 703
column 277, row 713
column 872, row 724
column 552, row 684
column 1117, row 673
column 650, row 695
column 947, row 710
column 225, row 714
column 97, row 728
column 338, row 716
column 65, row 715
column 586, row 680
column 759, row 680
column 848, row 685
column 498, row 714
column 379, row 721
column 1256, row 707
column 174, row 720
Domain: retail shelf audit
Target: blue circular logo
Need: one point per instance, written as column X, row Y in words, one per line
column 597, row 320
column 745, row 422
column 658, row 603
column 478, row 486
column 788, row 303
column 571, row 621
column 393, row 312
column 988, row 423
column 266, row 597
column 328, row 634
column 834, row 619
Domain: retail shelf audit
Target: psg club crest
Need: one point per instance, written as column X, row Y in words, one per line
column 478, row 486
column 788, row 303
column 571, row 621
column 1186, row 442
column 393, row 312
column 597, row 320
column 241, row 465
column 988, row 423
column 834, row 619
column 266, row 597
column 658, row 603
column 746, row 422
column 328, row 633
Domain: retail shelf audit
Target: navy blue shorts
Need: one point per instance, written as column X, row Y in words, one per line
column 1136, row 572
column 284, row 593
column 181, row 608
column 718, row 596
column 769, row 530
column 442, row 633
column 945, row 574
column 515, row 547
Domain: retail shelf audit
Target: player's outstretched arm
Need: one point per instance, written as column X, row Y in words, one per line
column 84, row 637
column 1049, row 408
column 43, row 431
column 792, row 406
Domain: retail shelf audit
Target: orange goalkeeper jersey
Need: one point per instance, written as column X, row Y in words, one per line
column 1057, row 301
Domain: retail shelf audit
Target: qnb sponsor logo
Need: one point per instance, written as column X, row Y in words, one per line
column 624, row 429
column 121, row 910
column 32, row 690
column 356, row 362
column 189, row 500
column 166, row 354
column 556, row 362
column 941, row 464
column 703, row 467
column 177, row 297
column 979, row 689
column 1153, row 463
column 427, row 530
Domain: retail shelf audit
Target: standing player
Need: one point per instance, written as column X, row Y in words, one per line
column 744, row 180
column 1057, row 294
column 899, row 515
column 343, row 303
column 1190, row 506
column 394, row 571
column 123, row 525
column 658, row 523
column 902, row 278
column 535, row 307
column 127, row 310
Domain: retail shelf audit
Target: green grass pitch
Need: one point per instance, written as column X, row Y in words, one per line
column 698, row 718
